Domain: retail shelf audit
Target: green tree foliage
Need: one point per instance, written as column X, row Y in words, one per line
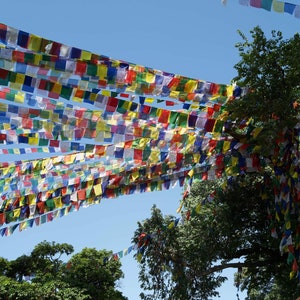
column 269, row 70
column 92, row 271
column 227, row 223
column 230, row 230
column 44, row 275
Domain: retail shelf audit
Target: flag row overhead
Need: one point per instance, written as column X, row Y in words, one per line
column 102, row 128
column 77, row 127
column 274, row 5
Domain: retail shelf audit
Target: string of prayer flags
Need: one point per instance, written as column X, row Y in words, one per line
column 110, row 73
column 275, row 5
column 77, row 127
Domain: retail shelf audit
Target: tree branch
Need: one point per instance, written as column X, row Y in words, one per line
column 236, row 265
column 256, row 248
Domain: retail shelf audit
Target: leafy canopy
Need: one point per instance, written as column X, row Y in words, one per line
column 43, row 274
column 227, row 223
column 269, row 72
column 230, row 231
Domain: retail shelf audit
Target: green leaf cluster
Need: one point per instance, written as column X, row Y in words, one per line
column 232, row 230
column 44, row 274
column 232, row 218
column 269, row 73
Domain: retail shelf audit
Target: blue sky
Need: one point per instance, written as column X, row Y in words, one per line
column 191, row 38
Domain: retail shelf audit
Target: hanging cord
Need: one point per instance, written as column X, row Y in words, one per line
column 238, row 281
column 237, row 294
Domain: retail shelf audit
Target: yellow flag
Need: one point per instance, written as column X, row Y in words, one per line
column 191, row 173
column 20, row 78
column 37, row 58
column 115, row 63
column 77, row 99
column 69, row 159
column 226, row 146
column 33, row 140
column 16, row 151
column 58, row 203
column 154, row 133
column 196, row 157
column 93, row 96
column 31, row 199
column 278, row 6
column 180, row 207
column 143, row 142
column 22, row 201
column 198, row 208
column 256, row 148
column 190, row 86
column 85, row 55
column 15, row 85
column 56, row 88
column 255, row 132
column 159, row 185
column 190, row 143
column 17, row 212
column 149, row 100
column 107, row 135
column 132, row 87
column 139, row 257
column 174, row 94
column 154, row 156
column 23, row 226
column 55, row 117
column 102, row 73
column 48, row 126
column 101, row 126
column 34, row 43
column 3, row 107
column 135, row 175
column 171, row 225
column 229, row 90
column 131, row 115
column 150, row 77
column 234, row 161
column 195, row 106
column 292, row 274
column 97, row 189
column 45, row 150
column 45, row 163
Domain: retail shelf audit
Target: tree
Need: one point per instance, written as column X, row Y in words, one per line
column 42, row 264
column 269, row 73
column 92, row 270
column 44, row 275
column 234, row 229
column 230, row 231
column 270, row 70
